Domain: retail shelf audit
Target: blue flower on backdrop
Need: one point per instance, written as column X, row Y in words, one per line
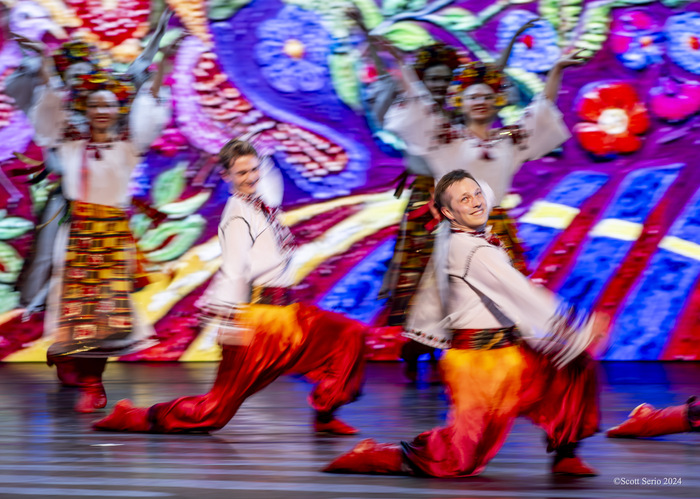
column 683, row 33
column 636, row 39
column 293, row 51
column 536, row 49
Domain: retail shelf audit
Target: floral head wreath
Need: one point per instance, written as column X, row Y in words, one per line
column 73, row 53
column 435, row 55
column 89, row 83
column 474, row 73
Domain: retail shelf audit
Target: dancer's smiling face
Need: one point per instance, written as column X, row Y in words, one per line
column 243, row 173
column 479, row 103
column 464, row 204
column 102, row 110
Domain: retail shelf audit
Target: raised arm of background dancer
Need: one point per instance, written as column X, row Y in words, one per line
column 147, row 118
column 551, row 88
column 542, row 121
column 376, row 44
column 502, row 61
column 47, row 114
column 355, row 15
column 165, row 65
column 139, row 68
column 382, row 92
column 29, row 74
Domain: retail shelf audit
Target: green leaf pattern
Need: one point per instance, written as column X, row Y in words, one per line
column 169, row 185
column 172, row 239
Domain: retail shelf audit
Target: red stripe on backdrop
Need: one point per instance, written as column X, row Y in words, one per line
column 310, row 229
column 561, row 254
column 655, row 228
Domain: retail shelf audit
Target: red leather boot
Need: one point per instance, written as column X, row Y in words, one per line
column 125, row 417
column 92, row 397
column 566, row 462
column 369, row 457
column 326, row 422
column 92, row 392
column 645, row 421
column 573, row 466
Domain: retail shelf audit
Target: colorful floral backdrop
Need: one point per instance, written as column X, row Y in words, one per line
column 611, row 220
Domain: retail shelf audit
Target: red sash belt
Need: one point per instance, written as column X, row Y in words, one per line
column 484, row 339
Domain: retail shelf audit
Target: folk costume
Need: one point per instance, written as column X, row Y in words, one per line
column 260, row 342
column 90, row 313
column 511, row 350
column 35, row 277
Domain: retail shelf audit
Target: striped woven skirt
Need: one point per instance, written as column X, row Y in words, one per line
column 101, row 270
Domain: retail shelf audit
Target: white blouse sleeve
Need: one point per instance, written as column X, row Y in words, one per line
column 381, row 95
column 48, row 116
column 147, row 119
column 536, row 311
column 412, row 116
column 233, row 282
column 270, row 187
column 22, row 83
column 544, row 128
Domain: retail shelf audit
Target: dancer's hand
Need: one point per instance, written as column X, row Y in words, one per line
column 572, row 58
column 530, row 24
column 165, row 17
column 505, row 55
column 355, row 15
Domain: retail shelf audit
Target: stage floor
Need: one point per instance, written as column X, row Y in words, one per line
column 269, row 451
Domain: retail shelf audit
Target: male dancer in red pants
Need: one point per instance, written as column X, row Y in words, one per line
column 510, row 352
column 260, row 342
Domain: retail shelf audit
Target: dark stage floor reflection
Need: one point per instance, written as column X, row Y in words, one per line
column 268, row 450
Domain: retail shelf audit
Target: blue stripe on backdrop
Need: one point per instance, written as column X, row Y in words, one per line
column 355, row 295
column 650, row 312
column 601, row 256
column 571, row 191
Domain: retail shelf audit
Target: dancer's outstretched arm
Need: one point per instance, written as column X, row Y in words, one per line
column 502, row 61
column 139, row 68
column 551, row 88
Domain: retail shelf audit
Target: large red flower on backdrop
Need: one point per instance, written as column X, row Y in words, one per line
column 614, row 115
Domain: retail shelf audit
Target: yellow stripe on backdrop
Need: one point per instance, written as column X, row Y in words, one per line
column 546, row 214
column 681, row 246
column 615, row 228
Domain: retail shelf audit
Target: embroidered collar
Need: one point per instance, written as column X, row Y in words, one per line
column 484, row 234
column 96, row 147
column 516, row 133
column 284, row 236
